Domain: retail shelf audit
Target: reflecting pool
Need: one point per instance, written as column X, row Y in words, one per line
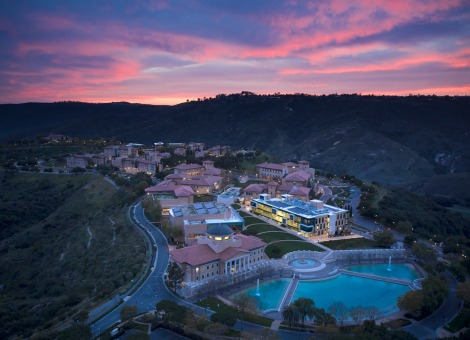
column 352, row 291
column 270, row 293
column 397, row 271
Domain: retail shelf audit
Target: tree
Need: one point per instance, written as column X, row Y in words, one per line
column 224, row 318
column 357, row 313
column 339, row 311
column 245, row 302
column 435, row 291
column 290, row 314
column 216, row 328
column 385, row 239
column 153, row 209
column 306, row 308
column 75, row 332
column 404, row 227
column 172, row 311
column 411, row 302
column 423, row 253
column 372, row 313
column 463, row 292
column 128, row 312
column 175, row 275
column 323, row 318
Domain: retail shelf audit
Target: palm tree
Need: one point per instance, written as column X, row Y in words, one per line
column 306, row 308
column 290, row 314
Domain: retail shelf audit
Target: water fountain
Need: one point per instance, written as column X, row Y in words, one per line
column 389, row 264
column 257, row 288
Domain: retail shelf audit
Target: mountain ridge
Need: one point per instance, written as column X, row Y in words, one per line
column 388, row 139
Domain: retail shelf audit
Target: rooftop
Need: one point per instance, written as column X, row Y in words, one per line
column 299, row 207
column 201, row 253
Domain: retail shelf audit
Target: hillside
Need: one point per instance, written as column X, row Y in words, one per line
column 65, row 241
column 392, row 140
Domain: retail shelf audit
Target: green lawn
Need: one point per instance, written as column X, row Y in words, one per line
column 219, row 307
column 244, row 214
column 277, row 236
column 462, row 320
column 278, row 249
column 254, row 229
column 236, row 206
column 353, row 243
column 251, row 220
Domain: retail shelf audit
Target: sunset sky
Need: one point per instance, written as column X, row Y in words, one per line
column 165, row 52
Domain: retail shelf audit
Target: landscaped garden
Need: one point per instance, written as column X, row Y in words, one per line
column 279, row 235
column 350, row 243
column 255, row 229
column 278, row 249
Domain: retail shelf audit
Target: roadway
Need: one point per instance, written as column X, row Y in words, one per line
column 150, row 292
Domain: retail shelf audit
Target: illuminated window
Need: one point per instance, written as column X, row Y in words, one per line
column 218, row 238
column 226, row 237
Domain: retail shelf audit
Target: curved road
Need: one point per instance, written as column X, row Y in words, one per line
column 153, row 289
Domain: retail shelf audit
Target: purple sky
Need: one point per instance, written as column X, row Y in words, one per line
column 164, row 52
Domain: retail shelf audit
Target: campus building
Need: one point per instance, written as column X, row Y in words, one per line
column 171, row 195
column 196, row 218
column 276, row 190
column 273, row 171
column 313, row 217
column 219, row 252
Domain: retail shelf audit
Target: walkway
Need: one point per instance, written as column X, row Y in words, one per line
column 375, row 277
column 289, row 293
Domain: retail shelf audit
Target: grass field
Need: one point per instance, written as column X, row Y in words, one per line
column 255, row 229
column 353, row 243
column 269, row 237
column 278, row 249
column 251, row 220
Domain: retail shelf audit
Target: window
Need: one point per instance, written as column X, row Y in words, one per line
column 197, row 277
column 203, row 276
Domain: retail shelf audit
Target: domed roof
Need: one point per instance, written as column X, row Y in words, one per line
column 219, row 230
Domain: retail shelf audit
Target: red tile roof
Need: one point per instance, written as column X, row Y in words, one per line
column 272, row 166
column 188, row 166
column 299, row 175
column 199, row 254
column 255, row 188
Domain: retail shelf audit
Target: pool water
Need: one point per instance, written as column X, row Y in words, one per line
column 271, row 293
column 352, row 291
column 398, row 271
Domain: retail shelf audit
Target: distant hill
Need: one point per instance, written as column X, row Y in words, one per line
column 392, row 140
